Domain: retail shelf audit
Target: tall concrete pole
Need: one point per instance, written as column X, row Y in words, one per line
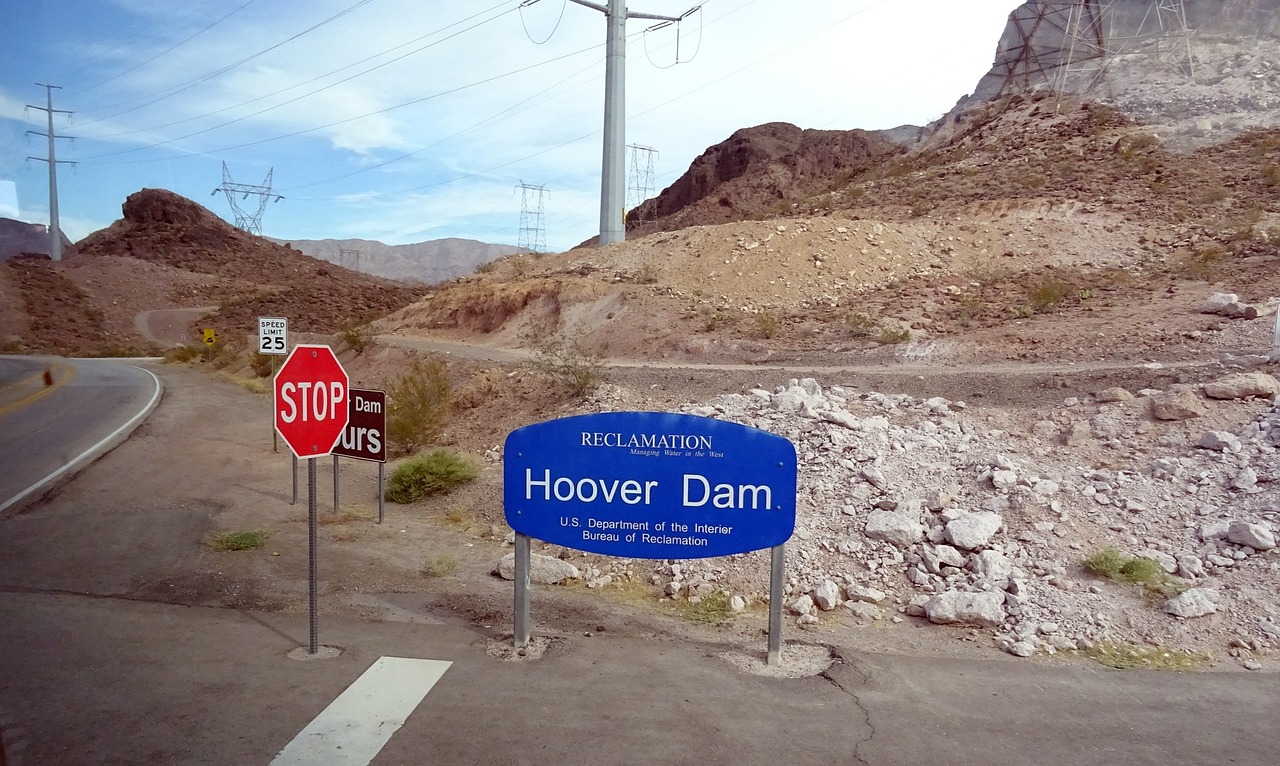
column 613, row 179
column 613, row 189
column 55, row 235
column 55, row 228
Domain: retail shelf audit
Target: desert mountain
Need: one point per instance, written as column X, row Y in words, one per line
column 169, row 252
column 759, row 172
column 437, row 260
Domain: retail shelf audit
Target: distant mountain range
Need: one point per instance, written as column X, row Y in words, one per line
column 438, row 260
column 18, row 237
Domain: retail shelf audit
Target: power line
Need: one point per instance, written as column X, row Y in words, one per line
column 313, row 79
column 164, row 52
column 335, row 123
column 175, row 90
column 55, row 229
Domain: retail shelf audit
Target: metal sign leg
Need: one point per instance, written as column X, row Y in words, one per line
column 312, row 573
column 522, row 591
column 777, row 564
column 335, row 483
column 380, row 492
column 294, row 463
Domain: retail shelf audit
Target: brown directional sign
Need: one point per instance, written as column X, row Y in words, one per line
column 365, row 437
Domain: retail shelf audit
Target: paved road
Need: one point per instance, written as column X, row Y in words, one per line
column 92, row 674
column 96, row 681
column 50, row 429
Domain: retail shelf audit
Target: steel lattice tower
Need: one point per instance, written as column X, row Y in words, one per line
column 1071, row 44
column 248, row 221
column 640, row 183
column 532, row 234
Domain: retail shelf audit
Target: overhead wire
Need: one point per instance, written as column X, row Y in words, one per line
column 564, row 4
column 648, row 55
column 304, row 95
column 376, row 112
column 164, row 52
column 492, row 119
column 175, row 90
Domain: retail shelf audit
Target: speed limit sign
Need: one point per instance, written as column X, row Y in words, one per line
column 273, row 333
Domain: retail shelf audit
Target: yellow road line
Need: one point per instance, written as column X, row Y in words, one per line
column 62, row 374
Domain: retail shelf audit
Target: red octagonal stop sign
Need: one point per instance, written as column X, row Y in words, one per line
column 310, row 400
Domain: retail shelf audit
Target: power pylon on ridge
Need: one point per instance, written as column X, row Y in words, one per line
column 55, row 226
column 246, row 220
column 344, row 253
column 532, row 234
column 640, row 183
column 1072, row 44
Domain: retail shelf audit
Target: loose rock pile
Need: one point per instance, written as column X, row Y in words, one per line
column 915, row 507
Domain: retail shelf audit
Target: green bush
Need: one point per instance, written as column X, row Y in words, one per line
column 766, row 326
column 1143, row 571
column 430, row 474
column 418, row 405
column 261, row 364
column 181, row 354
column 577, row 371
column 246, row 540
column 356, row 337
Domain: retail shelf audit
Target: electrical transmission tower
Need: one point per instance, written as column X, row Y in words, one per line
column 1072, row 44
column 246, row 220
column 55, row 227
column 640, row 185
column 612, row 178
column 344, row 253
column 532, row 235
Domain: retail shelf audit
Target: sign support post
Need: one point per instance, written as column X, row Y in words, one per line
column 777, row 563
column 310, row 394
column 521, row 622
column 650, row 485
column 312, row 568
column 335, row 484
column 381, row 490
column 294, row 501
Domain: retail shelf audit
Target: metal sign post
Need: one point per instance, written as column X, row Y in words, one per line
column 294, row 501
column 521, row 621
column 650, row 485
column 365, row 437
column 777, row 563
column 312, row 568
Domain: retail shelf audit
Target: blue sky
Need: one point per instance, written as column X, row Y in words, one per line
column 409, row 120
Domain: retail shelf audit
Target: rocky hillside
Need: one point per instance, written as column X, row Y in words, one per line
column 169, row 252
column 437, row 260
column 759, row 173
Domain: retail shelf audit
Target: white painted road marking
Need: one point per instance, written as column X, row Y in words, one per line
column 357, row 725
column 92, row 451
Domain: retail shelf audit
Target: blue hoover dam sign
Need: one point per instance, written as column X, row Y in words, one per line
column 650, row 485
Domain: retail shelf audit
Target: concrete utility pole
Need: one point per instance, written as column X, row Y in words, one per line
column 613, row 189
column 55, row 228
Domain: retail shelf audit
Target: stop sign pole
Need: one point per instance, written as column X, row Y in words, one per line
column 309, row 399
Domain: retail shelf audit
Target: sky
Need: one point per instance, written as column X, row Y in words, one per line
column 410, row 120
